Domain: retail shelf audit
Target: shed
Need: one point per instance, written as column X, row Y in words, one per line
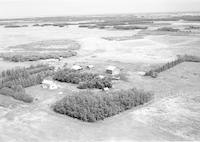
column 101, row 76
column 106, row 89
column 60, row 58
column 76, row 67
column 113, row 70
column 90, row 66
column 49, row 84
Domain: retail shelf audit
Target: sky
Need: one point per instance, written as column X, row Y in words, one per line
column 40, row 8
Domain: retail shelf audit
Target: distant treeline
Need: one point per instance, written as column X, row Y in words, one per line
column 117, row 26
column 15, row 26
column 56, row 25
column 168, row 29
column 129, row 27
column 19, row 57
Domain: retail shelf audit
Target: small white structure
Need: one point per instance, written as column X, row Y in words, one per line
column 56, row 68
column 113, row 70
column 76, row 67
column 60, row 93
column 101, row 77
column 51, row 60
column 60, row 58
column 49, row 84
column 90, row 66
column 141, row 73
column 106, row 89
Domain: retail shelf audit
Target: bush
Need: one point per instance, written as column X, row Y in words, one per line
column 40, row 69
column 91, row 107
column 84, row 79
column 96, row 83
column 17, row 92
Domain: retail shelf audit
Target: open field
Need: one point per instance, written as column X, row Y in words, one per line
column 146, row 43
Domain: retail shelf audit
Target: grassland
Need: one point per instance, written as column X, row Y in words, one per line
column 172, row 115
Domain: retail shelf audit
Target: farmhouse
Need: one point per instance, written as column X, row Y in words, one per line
column 49, row 84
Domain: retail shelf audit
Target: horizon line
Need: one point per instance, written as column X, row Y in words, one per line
column 79, row 15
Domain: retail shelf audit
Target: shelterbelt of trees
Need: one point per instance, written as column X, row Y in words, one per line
column 13, row 81
column 94, row 106
column 184, row 58
column 83, row 79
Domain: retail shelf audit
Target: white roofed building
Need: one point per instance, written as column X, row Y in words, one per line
column 113, row 70
column 49, row 84
column 76, row 67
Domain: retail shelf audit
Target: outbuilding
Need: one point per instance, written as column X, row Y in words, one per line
column 76, row 67
column 101, row 76
column 90, row 66
column 49, row 84
column 113, row 70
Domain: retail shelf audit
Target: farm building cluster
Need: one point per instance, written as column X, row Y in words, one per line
column 50, row 84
